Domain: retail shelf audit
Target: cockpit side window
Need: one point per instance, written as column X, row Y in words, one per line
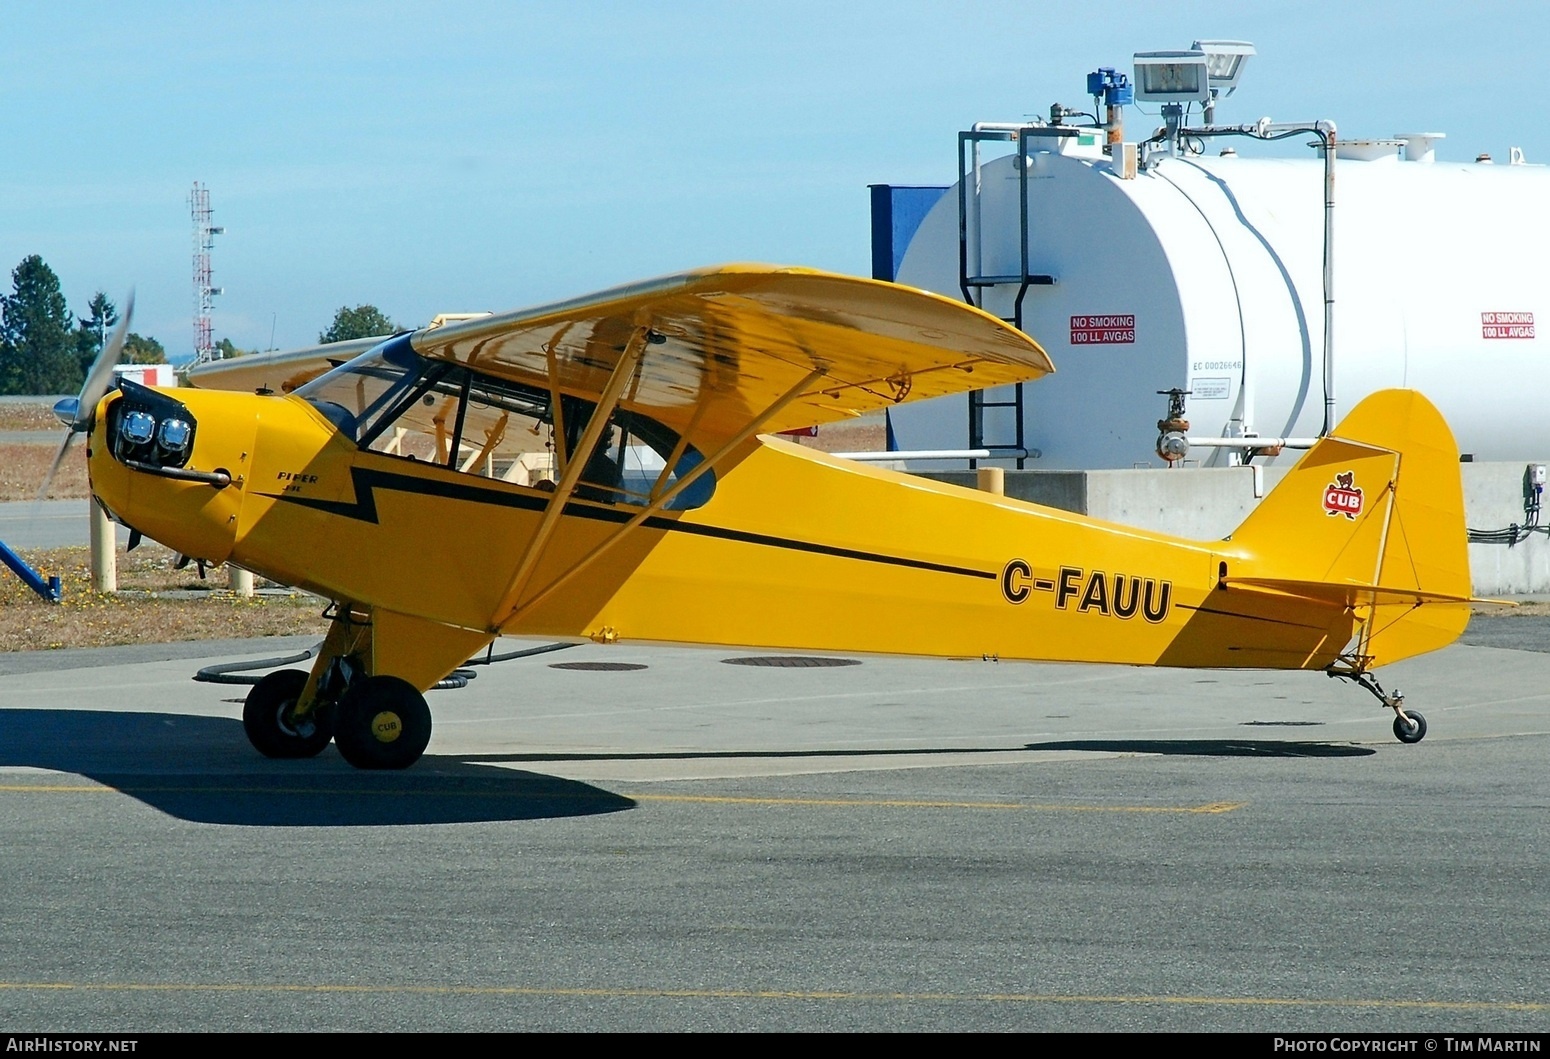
column 636, row 459
column 392, row 400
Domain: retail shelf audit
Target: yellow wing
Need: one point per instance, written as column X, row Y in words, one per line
column 276, row 372
column 730, row 341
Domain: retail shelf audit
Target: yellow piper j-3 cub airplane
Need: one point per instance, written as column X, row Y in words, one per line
column 599, row 469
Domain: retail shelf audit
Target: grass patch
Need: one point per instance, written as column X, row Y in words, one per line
column 27, row 417
column 142, row 611
column 23, row 466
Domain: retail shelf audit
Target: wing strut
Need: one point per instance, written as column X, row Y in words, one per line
column 575, row 464
column 509, row 610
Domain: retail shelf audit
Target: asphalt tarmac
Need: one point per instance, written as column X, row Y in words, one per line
column 680, row 843
column 48, row 524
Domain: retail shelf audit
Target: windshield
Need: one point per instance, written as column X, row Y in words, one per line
column 355, row 395
column 393, row 401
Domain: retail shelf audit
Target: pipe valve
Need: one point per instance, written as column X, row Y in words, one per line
column 1173, row 431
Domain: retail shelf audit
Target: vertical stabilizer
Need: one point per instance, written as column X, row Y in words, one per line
column 1373, row 517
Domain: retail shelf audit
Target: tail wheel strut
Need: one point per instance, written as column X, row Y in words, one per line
column 1409, row 725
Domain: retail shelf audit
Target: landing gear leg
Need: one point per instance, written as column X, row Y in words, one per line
column 1409, row 725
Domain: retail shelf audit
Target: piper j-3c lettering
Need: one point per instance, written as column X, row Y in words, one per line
column 600, row 469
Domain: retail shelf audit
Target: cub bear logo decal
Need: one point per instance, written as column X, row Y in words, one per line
column 1343, row 497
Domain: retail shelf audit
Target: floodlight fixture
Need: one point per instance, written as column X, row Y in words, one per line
column 1172, row 77
column 1225, row 60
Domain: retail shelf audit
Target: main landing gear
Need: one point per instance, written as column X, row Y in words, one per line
column 377, row 722
column 1409, row 725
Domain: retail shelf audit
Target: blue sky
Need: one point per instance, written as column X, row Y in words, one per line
column 465, row 156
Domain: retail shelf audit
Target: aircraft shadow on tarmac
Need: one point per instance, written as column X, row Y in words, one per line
column 202, row 769
column 1171, row 747
column 1210, row 747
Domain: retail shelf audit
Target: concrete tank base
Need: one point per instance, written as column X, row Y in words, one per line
column 1209, row 503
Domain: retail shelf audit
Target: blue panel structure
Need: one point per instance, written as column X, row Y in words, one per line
column 897, row 211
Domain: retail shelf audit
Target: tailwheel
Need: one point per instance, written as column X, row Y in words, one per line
column 270, row 721
column 1409, row 726
column 382, row 723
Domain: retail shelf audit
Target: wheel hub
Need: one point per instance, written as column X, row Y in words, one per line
column 304, row 728
column 387, row 726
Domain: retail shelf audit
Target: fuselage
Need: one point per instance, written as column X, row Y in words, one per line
column 793, row 549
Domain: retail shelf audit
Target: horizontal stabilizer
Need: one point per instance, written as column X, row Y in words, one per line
column 1355, row 595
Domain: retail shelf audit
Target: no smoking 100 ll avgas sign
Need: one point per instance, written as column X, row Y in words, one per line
column 1117, row 329
column 1506, row 325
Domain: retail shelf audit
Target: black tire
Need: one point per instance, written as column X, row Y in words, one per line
column 382, row 723
column 266, row 718
column 1413, row 732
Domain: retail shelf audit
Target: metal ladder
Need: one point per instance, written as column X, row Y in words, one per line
column 973, row 283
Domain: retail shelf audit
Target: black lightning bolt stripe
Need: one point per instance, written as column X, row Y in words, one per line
column 368, row 480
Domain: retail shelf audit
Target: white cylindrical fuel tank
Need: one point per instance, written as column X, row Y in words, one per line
column 1206, row 274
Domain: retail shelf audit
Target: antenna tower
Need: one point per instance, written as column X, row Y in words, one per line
column 204, row 294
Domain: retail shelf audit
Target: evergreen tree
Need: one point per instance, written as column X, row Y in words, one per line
column 140, row 349
column 363, row 321
column 38, row 352
column 92, row 331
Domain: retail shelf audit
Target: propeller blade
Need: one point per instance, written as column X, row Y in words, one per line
column 101, row 375
column 98, row 379
column 48, row 479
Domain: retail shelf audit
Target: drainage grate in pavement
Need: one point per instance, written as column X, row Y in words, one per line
column 792, row 662
column 599, row 667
